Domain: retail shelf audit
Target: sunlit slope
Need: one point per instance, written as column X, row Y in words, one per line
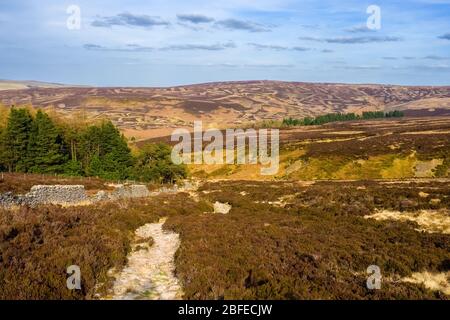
column 385, row 149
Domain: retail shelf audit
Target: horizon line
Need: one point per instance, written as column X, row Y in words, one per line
column 72, row 85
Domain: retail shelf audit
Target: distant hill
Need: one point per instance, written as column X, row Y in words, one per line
column 150, row 112
column 27, row 84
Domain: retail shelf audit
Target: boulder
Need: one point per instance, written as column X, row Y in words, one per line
column 223, row 208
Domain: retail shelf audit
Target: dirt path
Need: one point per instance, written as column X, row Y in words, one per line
column 149, row 273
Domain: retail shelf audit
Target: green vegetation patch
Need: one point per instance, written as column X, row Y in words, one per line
column 335, row 117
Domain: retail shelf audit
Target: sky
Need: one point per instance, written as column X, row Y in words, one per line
column 167, row 43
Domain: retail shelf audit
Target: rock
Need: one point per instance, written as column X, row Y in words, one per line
column 101, row 196
column 174, row 189
column 8, row 199
column 132, row 191
column 223, row 208
column 189, row 185
column 423, row 194
column 139, row 191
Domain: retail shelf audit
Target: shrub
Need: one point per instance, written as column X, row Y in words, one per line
column 154, row 164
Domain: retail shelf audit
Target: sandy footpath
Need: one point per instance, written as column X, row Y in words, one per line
column 149, row 273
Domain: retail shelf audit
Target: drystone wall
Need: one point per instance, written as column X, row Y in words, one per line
column 132, row 191
column 69, row 195
column 76, row 194
column 46, row 194
column 57, row 194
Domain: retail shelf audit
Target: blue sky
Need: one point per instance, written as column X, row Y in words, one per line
column 164, row 42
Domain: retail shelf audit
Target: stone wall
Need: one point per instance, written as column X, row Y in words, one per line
column 56, row 194
column 46, row 194
column 131, row 191
column 76, row 194
column 8, row 199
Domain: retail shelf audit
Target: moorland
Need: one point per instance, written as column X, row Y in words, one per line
column 349, row 194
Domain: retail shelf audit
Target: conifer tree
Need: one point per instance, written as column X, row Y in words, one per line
column 46, row 152
column 154, row 163
column 105, row 152
column 15, row 140
column 39, row 145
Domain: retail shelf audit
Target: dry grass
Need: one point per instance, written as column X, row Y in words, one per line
column 433, row 281
column 428, row 220
column 380, row 150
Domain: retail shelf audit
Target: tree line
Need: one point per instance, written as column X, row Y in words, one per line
column 334, row 117
column 39, row 144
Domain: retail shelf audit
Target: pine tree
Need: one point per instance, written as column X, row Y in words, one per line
column 94, row 168
column 154, row 163
column 105, row 152
column 15, row 140
column 46, row 152
column 73, row 168
column 117, row 157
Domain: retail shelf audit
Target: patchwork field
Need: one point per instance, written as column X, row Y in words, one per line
column 153, row 112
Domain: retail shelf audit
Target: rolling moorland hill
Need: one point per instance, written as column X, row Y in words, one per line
column 151, row 112
column 27, row 84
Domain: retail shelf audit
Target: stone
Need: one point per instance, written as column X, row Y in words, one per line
column 132, row 191
column 139, row 191
column 223, row 208
column 101, row 196
column 8, row 199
